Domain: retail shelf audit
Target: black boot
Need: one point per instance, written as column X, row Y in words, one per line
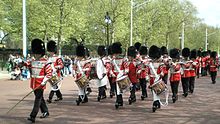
column 49, row 100
column 32, row 119
column 85, row 100
column 45, row 114
column 174, row 99
column 79, row 100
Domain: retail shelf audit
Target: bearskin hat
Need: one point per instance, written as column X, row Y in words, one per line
column 137, row 45
column 174, row 53
column 87, row 52
column 132, row 51
column 193, row 54
column 163, row 50
column 186, row 52
column 209, row 52
column 199, row 53
column 204, row 53
column 52, row 46
column 80, row 51
column 143, row 50
column 213, row 54
column 101, row 50
column 37, row 47
column 154, row 52
column 110, row 50
column 116, row 48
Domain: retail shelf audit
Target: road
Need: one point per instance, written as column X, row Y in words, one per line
column 202, row 107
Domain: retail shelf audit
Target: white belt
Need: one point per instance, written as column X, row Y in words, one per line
column 33, row 76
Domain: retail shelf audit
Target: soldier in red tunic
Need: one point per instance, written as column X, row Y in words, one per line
column 137, row 46
column 174, row 73
column 204, row 59
column 131, row 71
column 57, row 65
column 41, row 71
column 185, row 73
column 164, row 65
column 192, row 69
column 117, row 61
column 143, row 71
column 213, row 66
column 199, row 63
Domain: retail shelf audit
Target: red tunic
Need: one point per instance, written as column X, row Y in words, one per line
column 132, row 72
column 186, row 72
column 204, row 59
column 142, row 69
column 213, row 65
column 119, row 62
column 175, row 73
column 40, row 69
column 193, row 68
column 87, row 66
column 58, row 64
column 162, row 69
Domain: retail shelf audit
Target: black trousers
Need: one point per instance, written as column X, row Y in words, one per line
column 213, row 76
column 174, row 88
column 112, row 86
column 197, row 72
column 132, row 92
column 203, row 71
column 58, row 93
column 102, row 92
column 39, row 103
column 164, row 78
column 191, row 84
column 185, row 85
column 143, row 83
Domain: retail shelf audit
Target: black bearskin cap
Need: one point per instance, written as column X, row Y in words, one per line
column 37, row 47
column 143, row 50
column 154, row 52
column 209, row 52
column 101, row 50
column 186, row 52
column 163, row 50
column 52, row 46
column 110, row 50
column 199, row 53
column 132, row 51
column 116, row 48
column 174, row 53
column 87, row 52
column 137, row 45
column 204, row 54
column 80, row 51
column 213, row 54
column 193, row 54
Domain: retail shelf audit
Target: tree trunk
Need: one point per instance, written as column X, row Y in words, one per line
column 61, row 25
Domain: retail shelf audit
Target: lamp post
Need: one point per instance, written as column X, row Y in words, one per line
column 24, row 29
column 180, row 38
column 107, row 21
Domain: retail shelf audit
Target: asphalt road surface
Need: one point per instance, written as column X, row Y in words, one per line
column 202, row 107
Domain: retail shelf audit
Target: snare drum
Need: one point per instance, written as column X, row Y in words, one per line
column 82, row 82
column 123, row 82
column 54, row 80
column 159, row 87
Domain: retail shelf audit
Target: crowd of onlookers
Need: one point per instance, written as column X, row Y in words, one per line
column 17, row 70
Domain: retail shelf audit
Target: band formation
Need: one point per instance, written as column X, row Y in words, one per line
column 139, row 68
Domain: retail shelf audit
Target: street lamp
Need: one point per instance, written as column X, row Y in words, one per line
column 107, row 21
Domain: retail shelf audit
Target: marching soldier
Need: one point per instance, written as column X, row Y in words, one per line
column 164, row 65
column 192, row 69
column 213, row 66
column 41, row 71
column 131, row 70
column 102, row 72
column 143, row 70
column 57, row 66
column 79, row 74
column 185, row 73
column 174, row 73
column 199, row 63
column 87, row 68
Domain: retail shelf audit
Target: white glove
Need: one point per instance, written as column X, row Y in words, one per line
column 43, row 84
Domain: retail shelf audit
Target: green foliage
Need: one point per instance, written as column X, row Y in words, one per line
column 157, row 22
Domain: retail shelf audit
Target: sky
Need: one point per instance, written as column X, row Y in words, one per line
column 209, row 10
